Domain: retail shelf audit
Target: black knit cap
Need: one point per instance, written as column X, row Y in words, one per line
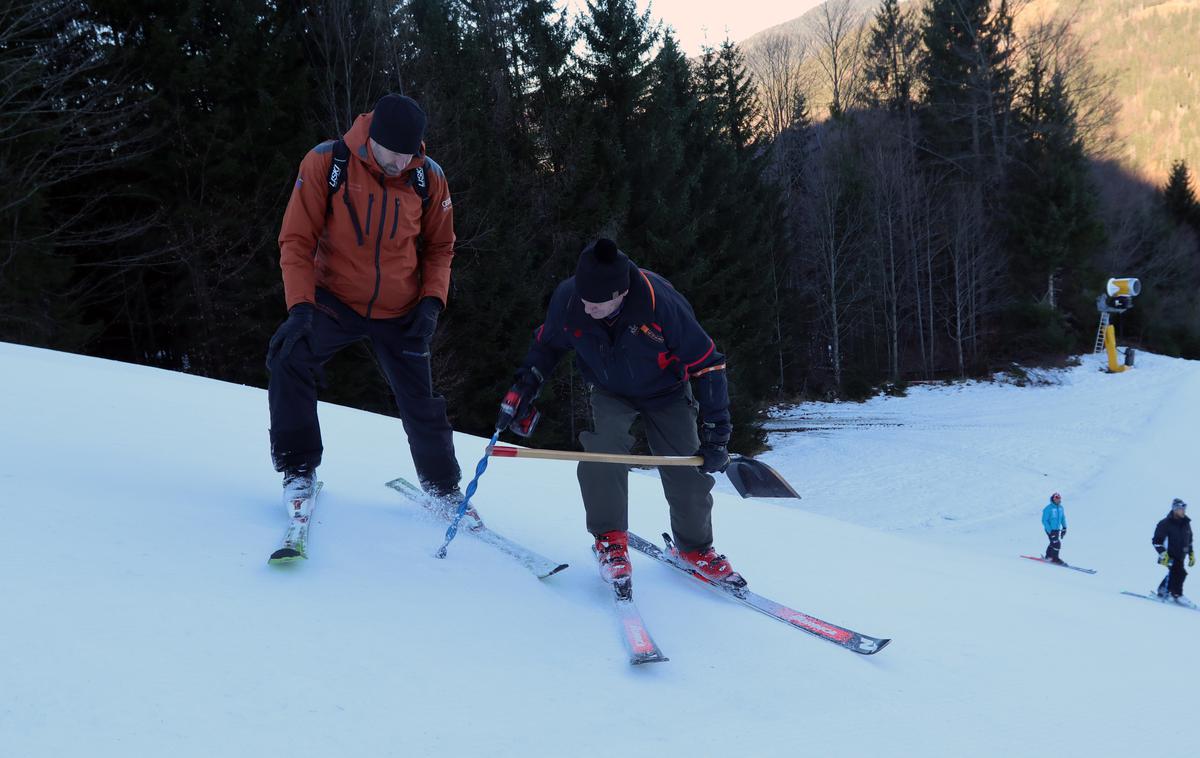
column 602, row 272
column 398, row 124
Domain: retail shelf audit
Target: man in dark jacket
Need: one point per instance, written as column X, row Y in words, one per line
column 642, row 353
column 371, row 262
column 1173, row 541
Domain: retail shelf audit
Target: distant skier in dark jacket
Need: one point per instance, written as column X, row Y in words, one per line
column 1173, row 541
column 1054, row 521
column 642, row 353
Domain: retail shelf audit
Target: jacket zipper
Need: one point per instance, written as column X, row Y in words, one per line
column 378, row 244
column 395, row 219
column 370, row 207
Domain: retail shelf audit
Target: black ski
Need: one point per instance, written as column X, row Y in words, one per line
column 1061, row 565
column 1165, row 601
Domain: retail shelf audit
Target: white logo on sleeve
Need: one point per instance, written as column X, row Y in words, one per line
column 446, row 204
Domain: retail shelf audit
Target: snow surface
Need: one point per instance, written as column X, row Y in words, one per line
column 139, row 616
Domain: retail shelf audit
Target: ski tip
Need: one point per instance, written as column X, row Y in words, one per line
column 553, row 571
column 286, row 555
column 879, row 645
column 640, row 660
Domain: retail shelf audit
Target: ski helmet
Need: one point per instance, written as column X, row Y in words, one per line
column 1056, row 497
column 1177, row 503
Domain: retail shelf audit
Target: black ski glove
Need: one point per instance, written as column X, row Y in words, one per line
column 425, row 318
column 714, row 439
column 1063, row 534
column 516, row 409
column 298, row 326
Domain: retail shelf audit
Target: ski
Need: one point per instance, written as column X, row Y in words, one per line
column 639, row 643
column 295, row 540
column 472, row 524
column 1061, row 565
column 846, row 638
column 1167, row 601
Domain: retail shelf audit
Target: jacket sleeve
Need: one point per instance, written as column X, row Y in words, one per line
column 1046, row 519
column 303, row 224
column 1160, row 536
column 437, row 234
column 702, row 362
column 549, row 343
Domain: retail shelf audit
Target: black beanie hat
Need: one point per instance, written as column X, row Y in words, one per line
column 602, row 272
column 398, row 124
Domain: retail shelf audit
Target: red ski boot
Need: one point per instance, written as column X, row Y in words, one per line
column 612, row 552
column 712, row 565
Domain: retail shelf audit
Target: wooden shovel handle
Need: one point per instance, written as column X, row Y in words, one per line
column 503, row 451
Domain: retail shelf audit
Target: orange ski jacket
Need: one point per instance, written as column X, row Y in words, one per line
column 398, row 251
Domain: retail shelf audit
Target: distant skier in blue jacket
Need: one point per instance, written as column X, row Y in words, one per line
column 1054, row 521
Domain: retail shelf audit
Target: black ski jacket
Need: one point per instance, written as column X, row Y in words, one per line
column 653, row 349
column 1175, row 536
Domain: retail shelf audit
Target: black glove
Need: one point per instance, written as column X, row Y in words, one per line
column 425, row 318
column 516, row 409
column 298, row 326
column 1063, row 534
column 714, row 439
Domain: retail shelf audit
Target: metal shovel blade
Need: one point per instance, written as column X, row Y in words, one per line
column 753, row 478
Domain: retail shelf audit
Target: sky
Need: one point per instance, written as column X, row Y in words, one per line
column 698, row 21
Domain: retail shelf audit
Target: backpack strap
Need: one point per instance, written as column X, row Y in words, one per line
column 419, row 181
column 337, row 172
column 338, row 168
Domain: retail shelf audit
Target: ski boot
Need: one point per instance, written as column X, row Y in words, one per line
column 712, row 565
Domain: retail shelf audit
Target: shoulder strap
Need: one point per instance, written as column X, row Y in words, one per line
column 337, row 172
column 338, row 168
column 419, row 181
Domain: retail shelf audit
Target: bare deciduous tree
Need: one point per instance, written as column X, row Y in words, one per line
column 354, row 46
column 776, row 65
column 834, row 222
column 838, row 31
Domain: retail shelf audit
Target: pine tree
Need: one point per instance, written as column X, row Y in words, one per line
column 671, row 141
column 1179, row 198
column 967, row 78
column 736, row 107
column 890, row 57
column 613, row 84
column 1053, row 219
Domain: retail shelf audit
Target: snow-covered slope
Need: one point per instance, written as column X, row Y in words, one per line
column 139, row 617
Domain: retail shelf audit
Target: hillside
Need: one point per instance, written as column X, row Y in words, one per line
column 141, row 619
column 1151, row 47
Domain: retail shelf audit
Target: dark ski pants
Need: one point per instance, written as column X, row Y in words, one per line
column 404, row 360
column 1055, row 545
column 1173, row 581
column 670, row 430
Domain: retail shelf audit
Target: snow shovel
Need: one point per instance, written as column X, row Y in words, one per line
column 750, row 478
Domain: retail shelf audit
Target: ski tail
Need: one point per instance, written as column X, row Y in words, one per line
column 294, row 546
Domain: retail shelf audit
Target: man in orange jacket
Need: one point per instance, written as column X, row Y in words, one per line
column 365, row 248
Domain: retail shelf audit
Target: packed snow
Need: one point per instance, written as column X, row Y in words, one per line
column 140, row 617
